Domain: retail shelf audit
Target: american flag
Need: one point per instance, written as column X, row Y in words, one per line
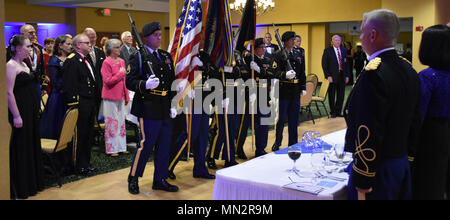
column 186, row 39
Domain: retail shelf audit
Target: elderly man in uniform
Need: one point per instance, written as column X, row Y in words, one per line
column 382, row 114
column 82, row 86
column 152, row 105
column 292, row 85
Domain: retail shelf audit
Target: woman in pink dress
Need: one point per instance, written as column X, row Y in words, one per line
column 115, row 97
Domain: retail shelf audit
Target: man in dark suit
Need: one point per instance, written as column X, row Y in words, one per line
column 96, row 56
column 82, row 87
column 382, row 115
column 270, row 48
column 127, row 48
column 334, row 67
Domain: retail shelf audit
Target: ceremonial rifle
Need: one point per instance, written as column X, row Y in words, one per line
column 283, row 49
column 142, row 48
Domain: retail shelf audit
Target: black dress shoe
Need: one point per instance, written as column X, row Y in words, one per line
column 83, row 172
column 231, row 163
column 205, row 176
column 92, row 169
column 257, row 154
column 276, row 147
column 172, row 175
column 133, row 185
column 333, row 115
column 212, row 164
column 241, row 155
column 164, row 185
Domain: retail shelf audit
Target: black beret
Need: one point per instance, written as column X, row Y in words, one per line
column 288, row 35
column 149, row 28
column 258, row 42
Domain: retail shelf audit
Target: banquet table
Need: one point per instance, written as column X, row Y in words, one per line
column 263, row 178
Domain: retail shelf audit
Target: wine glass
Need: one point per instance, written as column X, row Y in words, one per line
column 339, row 152
column 294, row 153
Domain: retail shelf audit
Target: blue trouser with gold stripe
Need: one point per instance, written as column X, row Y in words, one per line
column 392, row 181
column 199, row 140
column 219, row 140
column 153, row 133
column 288, row 110
column 261, row 131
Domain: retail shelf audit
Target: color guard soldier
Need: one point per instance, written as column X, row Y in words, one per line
column 152, row 105
column 262, row 65
column 230, row 102
column 292, row 85
column 382, row 115
column 81, row 86
column 200, row 121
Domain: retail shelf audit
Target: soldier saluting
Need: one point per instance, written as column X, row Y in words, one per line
column 152, row 105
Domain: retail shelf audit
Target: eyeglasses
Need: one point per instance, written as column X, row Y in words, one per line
column 87, row 43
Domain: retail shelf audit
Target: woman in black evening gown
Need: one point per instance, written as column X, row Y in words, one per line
column 26, row 168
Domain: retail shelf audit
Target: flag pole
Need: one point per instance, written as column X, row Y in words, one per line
column 253, row 104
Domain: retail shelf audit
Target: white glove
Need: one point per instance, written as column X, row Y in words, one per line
column 173, row 113
column 196, row 62
column 226, row 102
column 255, row 67
column 191, row 94
column 228, row 69
column 252, row 98
column 290, row 74
column 181, row 85
column 303, row 92
column 152, row 82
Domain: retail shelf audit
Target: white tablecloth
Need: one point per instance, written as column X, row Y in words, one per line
column 263, row 178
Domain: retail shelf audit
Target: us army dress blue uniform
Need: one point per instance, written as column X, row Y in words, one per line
column 81, row 86
column 290, row 90
column 262, row 85
column 152, row 107
column 383, row 119
column 218, row 143
column 199, row 126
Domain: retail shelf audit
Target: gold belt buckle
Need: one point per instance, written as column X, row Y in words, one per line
column 262, row 85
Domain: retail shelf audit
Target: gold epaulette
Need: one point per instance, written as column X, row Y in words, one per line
column 411, row 159
column 71, row 56
column 72, row 104
column 373, row 64
column 406, row 60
